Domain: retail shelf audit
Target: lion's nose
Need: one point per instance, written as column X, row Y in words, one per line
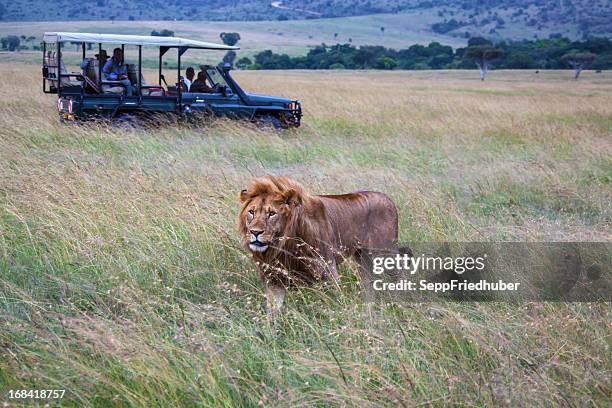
column 256, row 233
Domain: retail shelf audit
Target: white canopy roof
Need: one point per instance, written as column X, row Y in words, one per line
column 133, row 40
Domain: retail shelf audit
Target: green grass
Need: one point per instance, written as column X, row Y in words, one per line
column 122, row 280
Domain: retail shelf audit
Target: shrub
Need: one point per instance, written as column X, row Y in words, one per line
column 11, row 42
column 243, row 63
column 520, row 61
column 446, row 26
column 385, row 63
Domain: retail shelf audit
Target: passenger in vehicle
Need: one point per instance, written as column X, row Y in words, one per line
column 188, row 79
column 115, row 69
column 102, row 58
column 200, row 85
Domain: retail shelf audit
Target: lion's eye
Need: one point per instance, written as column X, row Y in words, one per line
column 251, row 212
column 271, row 214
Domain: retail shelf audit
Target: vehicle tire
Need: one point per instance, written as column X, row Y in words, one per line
column 271, row 122
column 127, row 121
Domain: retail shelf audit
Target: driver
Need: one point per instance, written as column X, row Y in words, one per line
column 200, row 85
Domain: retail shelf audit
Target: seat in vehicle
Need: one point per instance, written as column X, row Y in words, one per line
column 51, row 62
column 91, row 83
column 92, row 72
column 133, row 73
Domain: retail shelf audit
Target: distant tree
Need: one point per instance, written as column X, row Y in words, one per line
column 230, row 38
column 578, row 60
column 482, row 55
column 12, row 42
column 335, row 35
column 446, row 26
column 603, row 61
column 597, row 45
column 268, row 60
column 243, row 63
column 520, row 60
column 364, row 56
column 350, row 40
column 385, row 63
column 4, row 42
column 382, row 29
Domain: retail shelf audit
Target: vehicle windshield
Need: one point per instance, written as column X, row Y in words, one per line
column 215, row 77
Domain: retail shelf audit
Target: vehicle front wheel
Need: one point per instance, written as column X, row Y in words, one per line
column 270, row 121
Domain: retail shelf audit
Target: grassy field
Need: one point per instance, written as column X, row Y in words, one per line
column 291, row 37
column 122, row 280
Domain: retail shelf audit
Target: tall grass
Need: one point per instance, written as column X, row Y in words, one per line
column 122, row 281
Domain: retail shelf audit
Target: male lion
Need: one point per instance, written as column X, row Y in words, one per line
column 297, row 237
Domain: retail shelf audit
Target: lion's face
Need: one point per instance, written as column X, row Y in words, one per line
column 264, row 221
column 270, row 208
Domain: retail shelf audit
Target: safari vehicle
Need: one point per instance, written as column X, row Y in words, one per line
column 89, row 94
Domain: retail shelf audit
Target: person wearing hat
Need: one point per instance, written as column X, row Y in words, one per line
column 102, row 57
